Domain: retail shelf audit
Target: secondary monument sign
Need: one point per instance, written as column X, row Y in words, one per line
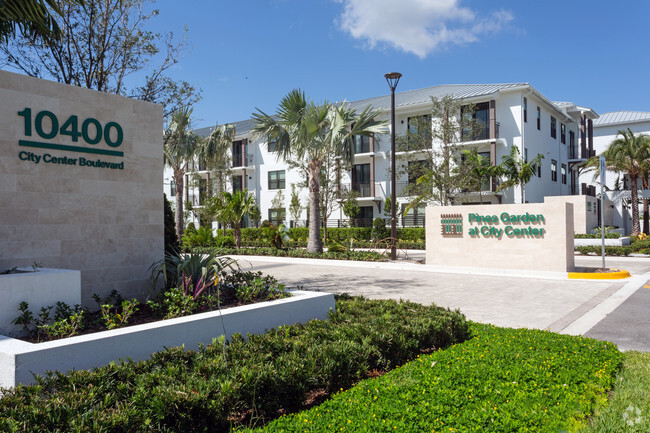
column 530, row 236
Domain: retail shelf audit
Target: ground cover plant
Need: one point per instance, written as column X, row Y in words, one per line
column 193, row 283
column 501, row 380
column 638, row 245
column 245, row 382
column 628, row 410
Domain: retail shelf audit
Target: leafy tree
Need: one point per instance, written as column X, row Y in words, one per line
column 295, row 208
column 479, row 171
column 180, row 148
column 307, row 132
column 517, row 171
column 255, row 214
column 351, row 207
column 171, row 240
column 432, row 145
column 102, row 45
column 237, row 205
column 629, row 154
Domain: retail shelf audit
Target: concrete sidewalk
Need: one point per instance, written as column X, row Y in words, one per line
column 539, row 300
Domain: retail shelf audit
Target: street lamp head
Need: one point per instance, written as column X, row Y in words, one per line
column 393, row 78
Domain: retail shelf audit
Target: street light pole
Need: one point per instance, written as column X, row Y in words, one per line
column 392, row 78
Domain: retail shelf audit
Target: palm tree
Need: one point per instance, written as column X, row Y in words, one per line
column 180, row 148
column 479, row 170
column 236, row 206
column 629, row 154
column 216, row 150
column 32, row 18
column 307, row 133
column 517, row 171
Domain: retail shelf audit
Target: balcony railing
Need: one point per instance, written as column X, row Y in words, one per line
column 239, row 160
column 363, row 188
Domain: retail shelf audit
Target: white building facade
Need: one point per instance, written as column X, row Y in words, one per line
column 606, row 129
column 513, row 114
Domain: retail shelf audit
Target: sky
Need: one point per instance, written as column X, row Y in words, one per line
column 246, row 55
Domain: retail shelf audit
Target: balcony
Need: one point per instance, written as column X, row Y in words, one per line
column 363, row 189
column 242, row 161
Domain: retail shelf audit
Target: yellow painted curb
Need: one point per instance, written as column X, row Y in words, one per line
column 618, row 275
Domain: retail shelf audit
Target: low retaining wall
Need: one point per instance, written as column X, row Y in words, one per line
column 20, row 360
column 41, row 288
column 598, row 242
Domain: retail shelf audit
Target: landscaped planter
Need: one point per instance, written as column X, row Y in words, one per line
column 597, row 242
column 20, row 360
column 40, row 288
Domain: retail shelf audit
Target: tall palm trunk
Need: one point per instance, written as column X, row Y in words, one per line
column 634, row 192
column 314, row 245
column 178, row 217
column 646, row 211
column 237, row 233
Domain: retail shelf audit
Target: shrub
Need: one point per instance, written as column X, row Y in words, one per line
column 379, row 230
column 502, row 380
column 201, row 237
column 224, row 242
column 596, row 236
column 411, row 234
column 610, row 251
column 215, row 388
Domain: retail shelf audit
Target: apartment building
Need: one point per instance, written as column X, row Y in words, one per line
column 606, row 129
column 512, row 114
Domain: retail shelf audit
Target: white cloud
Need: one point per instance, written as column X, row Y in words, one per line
column 417, row 26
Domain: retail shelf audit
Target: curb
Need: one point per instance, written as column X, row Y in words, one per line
column 620, row 274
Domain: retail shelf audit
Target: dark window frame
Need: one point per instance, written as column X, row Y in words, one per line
column 275, row 182
column 562, row 133
column 553, row 127
column 553, row 170
column 539, row 169
column 271, row 144
column 279, row 217
column 563, row 173
column 539, row 118
column 412, row 129
column 525, row 109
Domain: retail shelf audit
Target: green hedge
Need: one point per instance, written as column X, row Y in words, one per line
column 596, row 236
column 215, row 389
column 502, row 380
column 367, row 256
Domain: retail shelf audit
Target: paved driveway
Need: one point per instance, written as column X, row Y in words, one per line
column 560, row 305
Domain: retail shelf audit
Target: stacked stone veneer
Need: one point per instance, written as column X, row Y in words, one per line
column 107, row 223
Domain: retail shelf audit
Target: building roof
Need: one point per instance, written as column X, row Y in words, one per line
column 423, row 96
column 622, row 117
column 414, row 98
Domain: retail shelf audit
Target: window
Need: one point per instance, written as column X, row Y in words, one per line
column 539, row 169
column 563, row 133
column 277, row 216
column 361, row 144
column 525, row 110
column 553, row 170
column 271, row 144
column 563, row 172
column 361, row 179
column 481, row 116
column 526, row 155
column 276, row 179
column 572, row 144
column 539, row 118
column 237, row 183
column 364, row 219
column 173, row 188
column 238, row 159
column 416, row 169
column 419, row 131
column 414, row 217
column 553, row 127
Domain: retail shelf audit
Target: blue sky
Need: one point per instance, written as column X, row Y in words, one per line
column 248, row 54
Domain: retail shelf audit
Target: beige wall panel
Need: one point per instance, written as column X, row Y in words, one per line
column 550, row 251
column 107, row 223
